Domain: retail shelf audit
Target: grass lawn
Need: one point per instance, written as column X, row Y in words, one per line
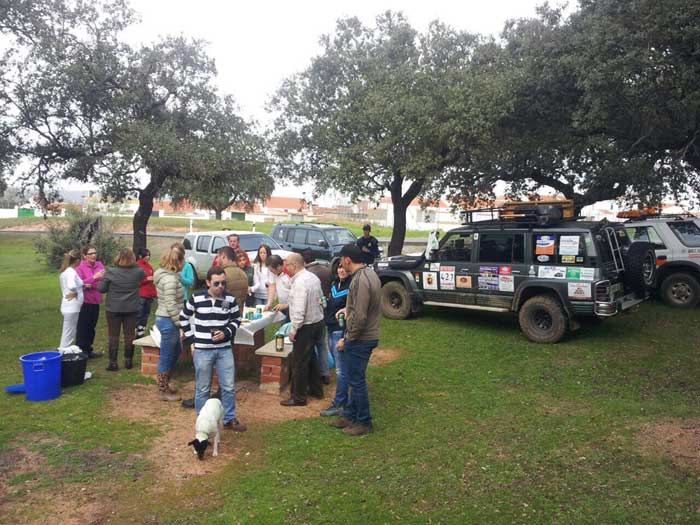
column 164, row 223
column 473, row 424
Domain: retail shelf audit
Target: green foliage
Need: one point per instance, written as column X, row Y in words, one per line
column 602, row 105
column 79, row 228
column 378, row 112
column 232, row 165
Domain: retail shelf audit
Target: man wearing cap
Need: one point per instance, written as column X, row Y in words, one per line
column 360, row 338
column 368, row 245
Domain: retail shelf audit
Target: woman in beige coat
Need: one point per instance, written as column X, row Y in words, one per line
column 170, row 302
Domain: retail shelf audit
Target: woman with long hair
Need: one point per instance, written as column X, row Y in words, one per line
column 261, row 275
column 243, row 263
column 337, row 300
column 121, row 284
column 71, row 297
column 170, row 302
column 186, row 273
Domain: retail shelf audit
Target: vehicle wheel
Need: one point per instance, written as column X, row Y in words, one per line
column 542, row 319
column 640, row 267
column 680, row 290
column 396, row 303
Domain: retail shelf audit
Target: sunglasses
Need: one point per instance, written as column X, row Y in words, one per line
column 91, row 253
column 217, row 284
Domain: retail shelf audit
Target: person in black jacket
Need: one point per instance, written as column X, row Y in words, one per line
column 369, row 245
column 336, row 306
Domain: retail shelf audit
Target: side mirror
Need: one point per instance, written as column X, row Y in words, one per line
column 323, row 244
column 433, row 255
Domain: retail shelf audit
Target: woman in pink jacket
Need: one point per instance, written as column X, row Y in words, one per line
column 90, row 271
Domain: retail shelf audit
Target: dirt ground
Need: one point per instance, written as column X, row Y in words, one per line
column 677, row 439
column 173, row 463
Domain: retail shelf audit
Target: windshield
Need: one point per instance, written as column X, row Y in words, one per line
column 687, row 231
column 250, row 242
column 340, row 236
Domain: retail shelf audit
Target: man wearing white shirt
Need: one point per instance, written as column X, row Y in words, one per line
column 306, row 313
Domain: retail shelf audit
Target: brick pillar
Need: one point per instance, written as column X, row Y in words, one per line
column 149, row 360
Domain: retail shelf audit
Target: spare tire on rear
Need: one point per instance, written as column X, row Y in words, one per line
column 640, row 267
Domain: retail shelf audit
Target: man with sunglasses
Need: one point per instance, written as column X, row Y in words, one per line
column 210, row 319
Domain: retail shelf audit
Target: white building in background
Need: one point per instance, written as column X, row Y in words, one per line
column 418, row 218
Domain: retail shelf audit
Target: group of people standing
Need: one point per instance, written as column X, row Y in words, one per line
column 346, row 323
column 329, row 313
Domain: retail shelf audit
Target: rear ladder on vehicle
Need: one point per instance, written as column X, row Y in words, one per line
column 615, row 248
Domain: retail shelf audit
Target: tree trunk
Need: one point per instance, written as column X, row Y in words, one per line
column 141, row 217
column 400, row 203
column 398, row 234
column 218, row 214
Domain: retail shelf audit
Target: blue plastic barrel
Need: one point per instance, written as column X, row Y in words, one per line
column 42, row 375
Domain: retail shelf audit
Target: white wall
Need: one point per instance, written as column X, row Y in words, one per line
column 8, row 213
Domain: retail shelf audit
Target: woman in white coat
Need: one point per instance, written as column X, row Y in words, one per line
column 71, row 297
column 261, row 275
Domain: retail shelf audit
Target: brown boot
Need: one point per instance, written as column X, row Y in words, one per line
column 171, row 388
column 163, row 392
column 358, row 429
column 341, row 422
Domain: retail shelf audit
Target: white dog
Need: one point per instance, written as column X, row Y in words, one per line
column 209, row 421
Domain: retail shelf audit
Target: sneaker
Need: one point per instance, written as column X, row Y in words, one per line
column 358, row 429
column 341, row 422
column 112, row 367
column 187, row 403
column 95, row 355
column 235, row 425
column 331, row 410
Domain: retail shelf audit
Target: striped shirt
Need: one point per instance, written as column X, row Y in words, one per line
column 203, row 314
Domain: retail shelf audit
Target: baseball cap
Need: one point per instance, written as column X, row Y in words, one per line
column 351, row 251
column 367, row 227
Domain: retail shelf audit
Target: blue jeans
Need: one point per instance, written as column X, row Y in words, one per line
column 354, row 360
column 322, row 353
column 170, row 344
column 204, row 362
column 341, row 381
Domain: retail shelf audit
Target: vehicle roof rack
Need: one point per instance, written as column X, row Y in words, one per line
column 536, row 213
column 652, row 213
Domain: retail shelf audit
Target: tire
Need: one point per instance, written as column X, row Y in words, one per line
column 396, row 302
column 640, row 267
column 543, row 320
column 680, row 290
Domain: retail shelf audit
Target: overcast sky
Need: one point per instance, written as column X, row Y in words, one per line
column 258, row 44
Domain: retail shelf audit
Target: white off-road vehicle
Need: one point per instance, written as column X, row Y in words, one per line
column 676, row 241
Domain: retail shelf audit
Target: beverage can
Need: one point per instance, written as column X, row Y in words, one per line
column 341, row 320
column 324, row 301
column 279, row 342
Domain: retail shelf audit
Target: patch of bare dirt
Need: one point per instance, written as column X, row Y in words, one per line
column 382, row 355
column 172, row 461
column 678, row 439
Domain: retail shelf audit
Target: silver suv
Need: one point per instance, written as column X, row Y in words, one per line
column 201, row 247
column 676, row 241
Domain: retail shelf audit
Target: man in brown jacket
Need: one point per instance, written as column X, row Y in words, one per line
column 236, row 279
column 360, row 338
